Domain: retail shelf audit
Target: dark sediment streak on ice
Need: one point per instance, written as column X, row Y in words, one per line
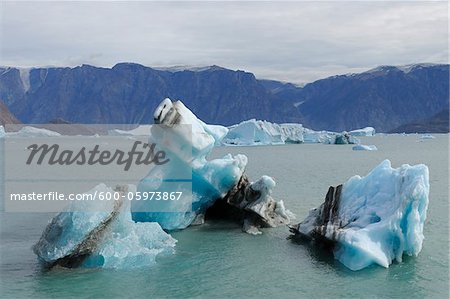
column 75, row 257
column 323, row 223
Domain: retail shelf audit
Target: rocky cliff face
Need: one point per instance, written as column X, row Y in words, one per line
column 128, row 93
column 438, row 123
column 384, row 98
column 6, row 117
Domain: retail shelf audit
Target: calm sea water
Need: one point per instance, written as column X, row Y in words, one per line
column 217, row 260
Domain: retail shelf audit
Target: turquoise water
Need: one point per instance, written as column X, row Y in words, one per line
column 217, row 260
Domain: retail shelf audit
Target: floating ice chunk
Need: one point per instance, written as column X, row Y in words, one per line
column 2, row 132
column 362, row 147
column 327, row 137
column 367, row 131
column 345, row 138
column 311, row 136
column 292, row 132
column 253, row 203
column 265, row 206
column 101, row 234
column 259, row 132
column 427, row 136
column 68, row 230
column 250, row 228
column 212, row 180
column 264, row 188
column 142, row 130
column 375, row 219
column 28, row 131
column 131, row 245
column 188, row 141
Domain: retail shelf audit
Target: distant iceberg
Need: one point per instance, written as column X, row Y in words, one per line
column 374, row 219
column 138, row 131
column 101, row 236
column 345, row 138
column 28, row 131
column 367, row 131
column 427, row 136
column 328, row 137
column 311, row 136
column 362, row 147
column 259, row 132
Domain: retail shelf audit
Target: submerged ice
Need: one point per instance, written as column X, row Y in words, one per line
column 373, row 219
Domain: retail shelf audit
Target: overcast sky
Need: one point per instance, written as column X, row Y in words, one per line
column 290, row 41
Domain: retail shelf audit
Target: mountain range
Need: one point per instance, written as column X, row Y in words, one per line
column 386, row 97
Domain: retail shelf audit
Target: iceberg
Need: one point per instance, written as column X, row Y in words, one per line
column 2, row 132
column 373, row 219
column 427, row 136
column 311, row 136
column 138, row 131
column 259, row 132
column 212, row 180
column 345, row 138
column 367, row 131
column 362, row 147
column 327, row 137
column 121, row 234
column 253, row 204
column 101, row 234
column 29, row 131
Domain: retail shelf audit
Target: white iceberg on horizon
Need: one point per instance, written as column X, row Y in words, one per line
column 28, row 131
column 367, row 131
column 260, row 132
column 426, row 136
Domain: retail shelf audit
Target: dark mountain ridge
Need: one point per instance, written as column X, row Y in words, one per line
column 385, row 97
column 129, row 93
column 438, row 123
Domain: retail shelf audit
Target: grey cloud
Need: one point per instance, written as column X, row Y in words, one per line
column 292, row 41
